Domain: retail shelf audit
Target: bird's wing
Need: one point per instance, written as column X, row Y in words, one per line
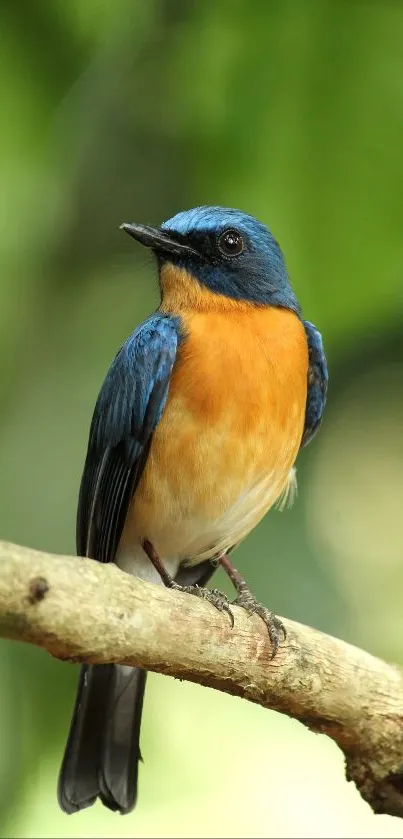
column 317, row 383
column 128, row 409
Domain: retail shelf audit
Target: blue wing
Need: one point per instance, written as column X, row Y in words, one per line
column 128, row 409
column 317, row 383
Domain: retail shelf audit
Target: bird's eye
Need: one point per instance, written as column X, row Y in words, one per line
column 231, row 243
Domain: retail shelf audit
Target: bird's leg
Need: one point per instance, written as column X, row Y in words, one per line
column 213, row 596
column 247, row 601
column 156, row 560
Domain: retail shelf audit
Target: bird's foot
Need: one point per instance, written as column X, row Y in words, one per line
column 275, row 626
column 247, row 601
column 213, row 596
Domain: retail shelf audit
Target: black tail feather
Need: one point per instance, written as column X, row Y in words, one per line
column 102, row 751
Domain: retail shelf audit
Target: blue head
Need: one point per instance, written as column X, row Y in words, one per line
column 227, row 251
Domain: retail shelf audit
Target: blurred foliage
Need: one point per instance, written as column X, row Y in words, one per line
column 293, row 111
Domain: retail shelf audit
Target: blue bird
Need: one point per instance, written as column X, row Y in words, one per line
column 193, row 439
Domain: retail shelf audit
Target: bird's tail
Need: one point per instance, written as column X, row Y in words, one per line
column 102, row 751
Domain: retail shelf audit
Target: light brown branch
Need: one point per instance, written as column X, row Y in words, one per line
column 81, row 610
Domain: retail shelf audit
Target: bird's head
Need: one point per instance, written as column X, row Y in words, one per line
column 218, row 254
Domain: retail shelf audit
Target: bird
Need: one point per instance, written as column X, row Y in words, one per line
column 194, row 437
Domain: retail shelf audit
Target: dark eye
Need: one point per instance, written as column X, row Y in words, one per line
column 231, row 243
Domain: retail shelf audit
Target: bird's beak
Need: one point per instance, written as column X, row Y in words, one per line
column 161, row 241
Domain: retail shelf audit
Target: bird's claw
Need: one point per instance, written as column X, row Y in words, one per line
column 275, row 627
column 213, row 596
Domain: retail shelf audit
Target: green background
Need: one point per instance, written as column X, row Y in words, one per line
column 293, row 111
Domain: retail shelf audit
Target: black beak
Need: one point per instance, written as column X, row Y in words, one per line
column 161, row 241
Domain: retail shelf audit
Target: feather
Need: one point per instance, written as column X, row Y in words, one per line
column 317, row 383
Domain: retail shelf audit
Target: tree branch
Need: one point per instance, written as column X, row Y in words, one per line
column 81, row 610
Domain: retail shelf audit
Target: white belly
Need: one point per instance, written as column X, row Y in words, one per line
column 191, row 540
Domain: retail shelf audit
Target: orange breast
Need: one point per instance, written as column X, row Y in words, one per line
column 225, row 446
